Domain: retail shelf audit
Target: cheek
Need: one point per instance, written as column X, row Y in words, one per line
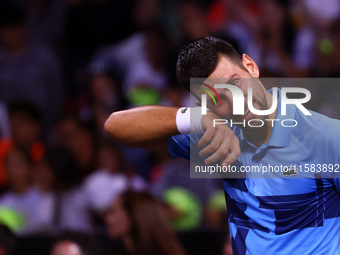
column 119, row 224
column 125, row 225
column 17, row 169
column 12, row 173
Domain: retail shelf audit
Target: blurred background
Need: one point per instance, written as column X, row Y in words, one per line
column 65, row 65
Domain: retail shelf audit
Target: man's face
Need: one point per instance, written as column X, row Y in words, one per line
column 25, row 131
column 227, row 72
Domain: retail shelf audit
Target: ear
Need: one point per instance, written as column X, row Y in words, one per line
column 250, row 65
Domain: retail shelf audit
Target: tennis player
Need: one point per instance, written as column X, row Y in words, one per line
column 284, row 215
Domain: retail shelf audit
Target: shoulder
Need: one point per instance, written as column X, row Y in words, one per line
column 320, row 133
column 318, row 125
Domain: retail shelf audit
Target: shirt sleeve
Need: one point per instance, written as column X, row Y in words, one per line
column 184, row 146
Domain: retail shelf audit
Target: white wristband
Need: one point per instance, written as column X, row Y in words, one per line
column 188, row 120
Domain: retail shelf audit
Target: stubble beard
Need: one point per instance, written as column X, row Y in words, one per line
column 258, row 134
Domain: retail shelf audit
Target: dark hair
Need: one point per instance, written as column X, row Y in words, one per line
column 64, row 167
column 199, row 58
column 25, row 107
column 150, row 229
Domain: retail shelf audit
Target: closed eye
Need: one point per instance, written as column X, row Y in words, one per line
column 236, row 82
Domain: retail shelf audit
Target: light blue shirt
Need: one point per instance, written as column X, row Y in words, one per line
column 287, row 214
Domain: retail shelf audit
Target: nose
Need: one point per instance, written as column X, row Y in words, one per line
column 236, row 100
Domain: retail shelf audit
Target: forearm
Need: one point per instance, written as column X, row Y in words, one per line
column 143, row 125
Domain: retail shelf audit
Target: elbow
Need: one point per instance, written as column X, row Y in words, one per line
column 109, row 126
column 118, row 129
column 115, row 127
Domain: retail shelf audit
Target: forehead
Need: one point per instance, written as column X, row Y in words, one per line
column 207, row 87
column 225, row 72
column 226, row 69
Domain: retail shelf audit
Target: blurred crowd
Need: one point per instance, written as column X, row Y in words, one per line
column 66, row 65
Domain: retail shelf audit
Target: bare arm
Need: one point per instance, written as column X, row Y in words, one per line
column 150, row 126
column 146, row 126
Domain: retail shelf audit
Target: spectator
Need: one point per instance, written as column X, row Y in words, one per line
column 194, row 19
column 26, row 70
column 121, row 55
column 187, row 198
column 145, row 72
column 112, row 177
column 148, row 74
column 105, row 185
column 26, row 132
column 58, row 177
column 215, row 213
column 264, row 30
column 89, row 25
column 24, row 199
column 77, row 136
column 104, row 97
column 139, row 222
column 314, row 38
column 26, row 126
